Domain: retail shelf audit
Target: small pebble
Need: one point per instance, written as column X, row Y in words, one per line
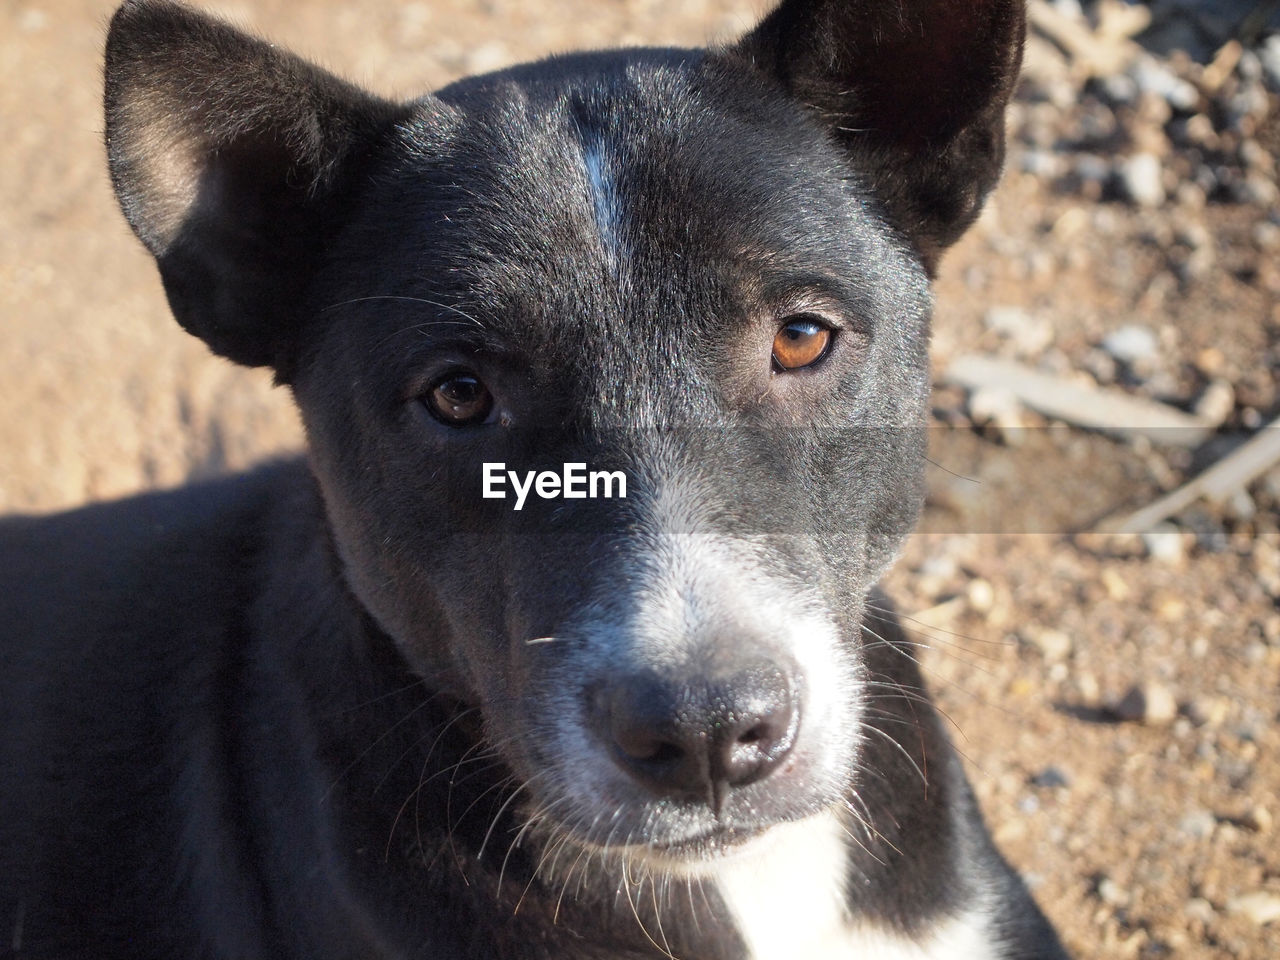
column 1151, row 76
column 1261, row 906
column 1051, row 778
column 1250, row 65
column 1269, row 57
column 1111, row 892
column 1170, row 607
column 1140, row 179
column 1116, row 586
column 1131, row 343
column 1266, row 235
column 1240, row 506
column 1150, row 703
column 1054, row 645
column 1208, row 711
column 1028, row 333
column 1198, row 824
column 1196, row 130
column 1068, row 8
column 1258, row 819
column 940, row 566
column 1197, row 908
column 1210, row 362
column 1165, row 543
column 1088, row 687
column 1043, row 163
column 1091, row 168
column 1000, row 410
column 1271, row 625
column 980, row 595
column 1254, row 155
column 1258, row 189
column 1119, row 88
column 1217, row 402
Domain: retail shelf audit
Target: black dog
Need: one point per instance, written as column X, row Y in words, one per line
column 364, row 708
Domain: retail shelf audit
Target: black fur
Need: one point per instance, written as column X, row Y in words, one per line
column 295, row 713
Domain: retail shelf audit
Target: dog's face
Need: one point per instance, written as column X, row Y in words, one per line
column 608, row 267
column 707, row 271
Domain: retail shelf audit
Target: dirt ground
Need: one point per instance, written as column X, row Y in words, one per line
column 1146, row 837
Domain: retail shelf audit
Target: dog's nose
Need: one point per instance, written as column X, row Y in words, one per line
column 702, row 737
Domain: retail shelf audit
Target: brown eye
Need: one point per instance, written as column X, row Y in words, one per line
column 801, row 342
column 459, row 400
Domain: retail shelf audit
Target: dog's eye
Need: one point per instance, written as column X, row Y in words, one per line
column 801, row 342
column 459, row 400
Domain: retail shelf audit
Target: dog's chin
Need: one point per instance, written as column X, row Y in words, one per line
column 690, row 854
column 702, row 853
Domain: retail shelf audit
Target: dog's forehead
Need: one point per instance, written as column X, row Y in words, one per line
column 642, row 194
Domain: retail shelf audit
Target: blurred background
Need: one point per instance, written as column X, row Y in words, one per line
column 1096, row 587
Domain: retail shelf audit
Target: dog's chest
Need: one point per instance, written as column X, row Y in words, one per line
column 789, row 901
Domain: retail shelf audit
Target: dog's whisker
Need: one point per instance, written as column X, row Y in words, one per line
column 383, row 736
column 407, row 299
column 857, row 840
column 395, row 821
column 365, row 704
column 582, row 851
column 543, row 812
column 657, row 916
column 865, row 820
column 902, row 750
column 882, row 642
column 635, row 912
column 942, row 634
column 493, row 823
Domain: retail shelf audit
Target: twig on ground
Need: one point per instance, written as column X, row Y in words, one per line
column 1233, row 472
column 1093, row 53
column 1108, row 411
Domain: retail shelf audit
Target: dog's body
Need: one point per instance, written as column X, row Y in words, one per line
column 352, row 709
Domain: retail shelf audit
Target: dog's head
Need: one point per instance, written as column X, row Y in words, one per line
column 707, row 270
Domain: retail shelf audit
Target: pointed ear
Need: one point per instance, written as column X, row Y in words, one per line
column 232, row 161
column 915, row 91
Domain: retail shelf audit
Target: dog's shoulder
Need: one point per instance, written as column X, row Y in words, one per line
column 120, row 621
column 132, row 563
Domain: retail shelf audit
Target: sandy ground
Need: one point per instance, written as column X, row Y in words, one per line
column 1139, row 839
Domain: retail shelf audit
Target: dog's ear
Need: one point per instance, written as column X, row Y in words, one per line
column 915, row 90
column 231, row 160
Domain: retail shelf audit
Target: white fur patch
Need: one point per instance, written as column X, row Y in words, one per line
column 787, row 899
column 604, row 196
column 787, row 895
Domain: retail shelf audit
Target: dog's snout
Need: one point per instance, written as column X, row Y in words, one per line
column 700, row 737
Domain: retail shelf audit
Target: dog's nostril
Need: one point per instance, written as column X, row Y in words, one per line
column 753, row 747
column 638, row 744
column 666, row 753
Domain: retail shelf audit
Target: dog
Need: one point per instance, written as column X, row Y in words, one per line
column 432, row 693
